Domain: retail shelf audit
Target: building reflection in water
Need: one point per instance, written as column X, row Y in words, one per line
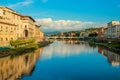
column 112, row 57
column 14, row 68
column 66, row 48
column 71, row 41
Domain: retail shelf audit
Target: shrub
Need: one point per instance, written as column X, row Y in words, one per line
column 25, row 49
column 18, row 43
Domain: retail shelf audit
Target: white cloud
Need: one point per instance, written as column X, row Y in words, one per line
column 20, row 4
column 49, row 25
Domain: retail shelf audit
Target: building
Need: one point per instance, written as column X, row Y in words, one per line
column 105, row 33
column 39, row 35
column 15, row 26
column 9, row 24
column 102, row 32
column 113, row 29
column 84, row 35
column 28, row 27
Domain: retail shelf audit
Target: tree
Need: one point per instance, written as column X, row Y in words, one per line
column 93, row 34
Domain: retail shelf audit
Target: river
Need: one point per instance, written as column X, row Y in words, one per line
column 63, row 60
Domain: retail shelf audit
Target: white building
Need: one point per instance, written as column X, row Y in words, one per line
column 113, row 30
column 84, row 34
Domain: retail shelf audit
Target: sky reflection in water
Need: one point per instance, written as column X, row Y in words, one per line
column 61, row 61
column 58, row 49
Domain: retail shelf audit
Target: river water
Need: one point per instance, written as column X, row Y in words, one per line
column 71, row 60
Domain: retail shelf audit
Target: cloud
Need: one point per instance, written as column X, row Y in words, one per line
column 49, row 25
column 44, row 1
column 21, row 4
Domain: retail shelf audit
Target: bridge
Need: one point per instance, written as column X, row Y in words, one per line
column 65, row 38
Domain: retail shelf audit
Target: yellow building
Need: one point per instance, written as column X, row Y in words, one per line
column 15, row 26
column 28, row 27
column 39, row 35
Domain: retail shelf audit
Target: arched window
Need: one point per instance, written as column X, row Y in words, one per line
column 1, row 39
column 6, row 39
column 26, row 33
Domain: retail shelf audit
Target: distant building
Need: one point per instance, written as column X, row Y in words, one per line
column 105, row 33
column 113, row 29
column 15, row 26
column 62, row 34
column 102, row 32
column 84, row 34
column 72, row 34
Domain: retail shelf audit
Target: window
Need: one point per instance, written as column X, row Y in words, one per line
column 26, row 33
column 1, row 17
column 1, row 27
column 4, row 12
column 25, row 26
column 1, row 39
column 11, row 38
column 6, row 39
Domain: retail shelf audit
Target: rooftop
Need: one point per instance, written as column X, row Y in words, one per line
column 17, row 13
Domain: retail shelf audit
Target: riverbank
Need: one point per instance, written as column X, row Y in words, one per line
column 113, row 46
column 23, row 50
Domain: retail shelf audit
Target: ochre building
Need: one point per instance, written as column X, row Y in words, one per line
column 15, row 26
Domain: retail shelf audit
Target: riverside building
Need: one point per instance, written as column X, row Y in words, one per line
column 113, row 29
column 14, row 26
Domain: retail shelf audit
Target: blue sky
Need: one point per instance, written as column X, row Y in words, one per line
column 97, row 11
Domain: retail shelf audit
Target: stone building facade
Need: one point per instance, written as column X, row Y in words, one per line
column 39, row 35
column 15, row 26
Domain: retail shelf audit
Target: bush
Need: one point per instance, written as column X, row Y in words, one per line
column 25, row 49
column 44, row 43
column 18, row 43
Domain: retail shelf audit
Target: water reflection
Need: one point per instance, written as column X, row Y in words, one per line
column 14, row 68
column 74, row 47
column 112, row 57
column 72, row 41
column 66, row 49
column 69, row 60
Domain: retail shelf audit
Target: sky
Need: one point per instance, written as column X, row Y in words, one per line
column 67, row 15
